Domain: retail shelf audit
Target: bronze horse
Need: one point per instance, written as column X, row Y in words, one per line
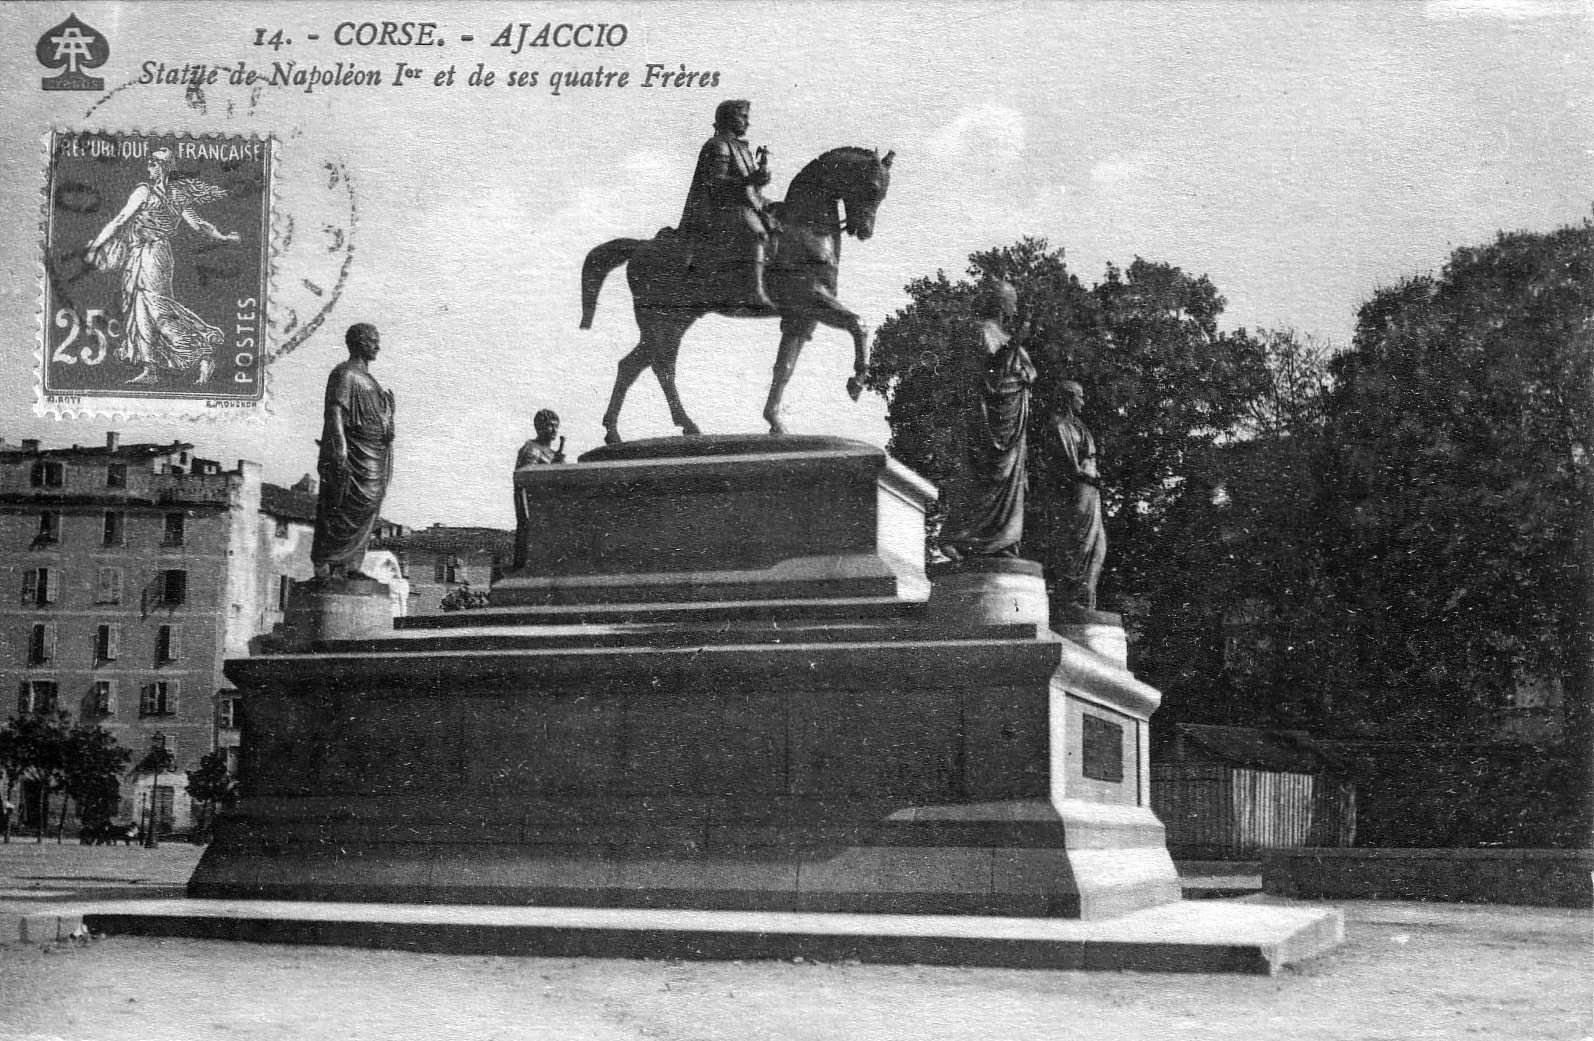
column 675, row 280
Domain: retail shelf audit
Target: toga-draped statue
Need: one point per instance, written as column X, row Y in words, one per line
column 1078, row 537
column 989, row 520
column 356, row 460
column 539, row 451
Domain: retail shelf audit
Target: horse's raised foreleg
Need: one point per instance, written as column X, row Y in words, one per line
column 826, row 309
column 794, row 333
column 629, row 369
column 669, row 345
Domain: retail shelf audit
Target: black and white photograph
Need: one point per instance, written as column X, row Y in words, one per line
column 860, row 519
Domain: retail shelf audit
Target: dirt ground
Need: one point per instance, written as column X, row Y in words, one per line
column 1406, row 971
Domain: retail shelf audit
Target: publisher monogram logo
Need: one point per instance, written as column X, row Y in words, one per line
column 72, row 47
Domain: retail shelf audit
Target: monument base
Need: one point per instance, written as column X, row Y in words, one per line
column 988, row 591
column 866, row 753
column 1101, row 631
column 335, row 609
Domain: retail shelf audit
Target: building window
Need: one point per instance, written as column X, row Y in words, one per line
column 158, row 699
column 172, row 588
column 167, row 644
column 174, row 530
column 104, row 697
column 115, row 524
column 229, row 715
column 107, row 643
column 41, row 643
column 439, row 570
column 40, row 586
column 284, row 591
column 282, row 527
column 232, row 760
column 49, row 474
column 49, row 527
column 108, row 586
column 116, row 475
column 37, row 697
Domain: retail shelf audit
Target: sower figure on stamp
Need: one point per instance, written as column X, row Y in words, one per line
column 539, row 451
column 356, row 460
column 160, row 332
column 989, row 520
column 1078, row 536
column 726, row 207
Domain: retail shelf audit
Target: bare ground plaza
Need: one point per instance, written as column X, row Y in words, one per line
column 1406, row 970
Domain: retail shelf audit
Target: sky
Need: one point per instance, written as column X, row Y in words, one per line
column 1301, row 155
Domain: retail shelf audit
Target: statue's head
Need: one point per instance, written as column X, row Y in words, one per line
column 732, row 116
column 998, row 299
column 1073, row 394
column 160, row 164
column 363, row 341
column 546, row 423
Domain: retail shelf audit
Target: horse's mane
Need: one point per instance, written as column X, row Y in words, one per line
column 832, row 158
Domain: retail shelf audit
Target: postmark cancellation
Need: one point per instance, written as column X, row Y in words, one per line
column 155, row 274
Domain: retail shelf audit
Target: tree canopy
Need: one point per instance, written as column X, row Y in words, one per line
column 1162, row 384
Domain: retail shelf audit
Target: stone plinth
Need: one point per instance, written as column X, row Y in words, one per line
column 336, row 609
column 1101, row 631
column 741, row 519
column 988, row 591
column 856, row 756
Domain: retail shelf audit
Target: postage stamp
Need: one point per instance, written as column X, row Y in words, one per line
column 155, row 274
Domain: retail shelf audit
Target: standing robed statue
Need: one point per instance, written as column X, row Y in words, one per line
column 356, row 459
column 1078, row 536
column 988, row 519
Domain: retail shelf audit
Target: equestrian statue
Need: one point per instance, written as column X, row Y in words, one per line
column 738, row 254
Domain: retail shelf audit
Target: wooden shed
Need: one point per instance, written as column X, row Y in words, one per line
column 1224, row 793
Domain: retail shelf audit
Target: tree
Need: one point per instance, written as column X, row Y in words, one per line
column 93, row 762
column 212, row 786
column 1461, row 484
column 1163, row 385
column 1241, row 622
column 35, row 747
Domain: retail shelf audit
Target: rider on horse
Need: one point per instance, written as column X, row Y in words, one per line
column 725, row 207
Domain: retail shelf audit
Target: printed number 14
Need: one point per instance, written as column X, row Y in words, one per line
column 100, row 330
column 274, row 41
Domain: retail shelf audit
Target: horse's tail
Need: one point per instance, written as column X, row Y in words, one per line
column 600, row 261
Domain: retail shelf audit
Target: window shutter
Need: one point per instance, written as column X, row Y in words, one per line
column 439, row 570
column 52, row 584
column 30, row 586
column 113, row 641
column 146, row 700
column 173, row 643
column 172, row 687
column 23, row 700
column 49, row 641
column 116, row 585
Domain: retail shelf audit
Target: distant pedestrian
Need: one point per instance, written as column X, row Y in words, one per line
column 6, row 808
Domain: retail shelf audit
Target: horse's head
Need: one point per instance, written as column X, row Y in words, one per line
column 871, row 180
column 857, row 178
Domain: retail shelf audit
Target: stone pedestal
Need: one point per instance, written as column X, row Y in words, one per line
column 988, row 591
column 735, row 520
column 336, row 609
column 1101, row 631
column 716, row 685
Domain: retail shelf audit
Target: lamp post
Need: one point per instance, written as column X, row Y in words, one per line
column 157, row 750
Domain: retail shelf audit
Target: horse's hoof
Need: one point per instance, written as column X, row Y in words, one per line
column 689, row 429
column 854, row 387
column 777, row 429
column 612, row 437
